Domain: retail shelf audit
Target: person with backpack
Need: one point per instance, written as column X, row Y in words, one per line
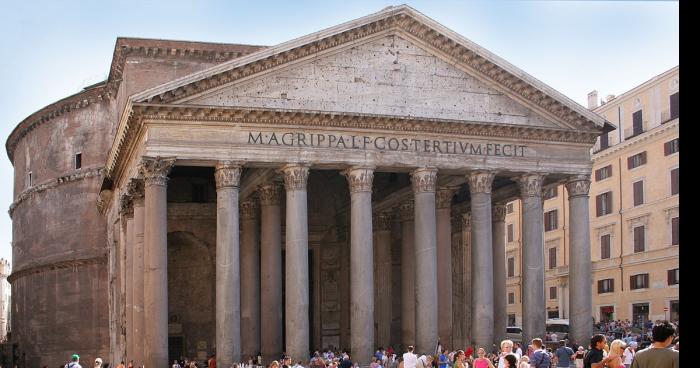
column 564, row 355
column 540, row 357
column 74, row 362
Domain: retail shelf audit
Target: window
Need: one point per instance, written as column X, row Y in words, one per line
column 674, row 231
column 552, row 258
column 606, row 286
column 640, row 281
column 550, row 220
column 639, row 239
column 675, row 111
column 637, row 124
column 603, row 204
column 510, row 232
column 509, row 208
column 511, row 267
column 78, row 160
column 605, row 246
column 638, row 190
column 511, row 298
column 604, row 141
column 511, row 320
column 671, row 147
column 552, row 292
column 603, row 173
column 550, row 193
column 673, row 276
column 637, row 160
column 29, row 181
column 674, row 181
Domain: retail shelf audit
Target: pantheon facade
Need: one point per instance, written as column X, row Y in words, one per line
column 344, row 189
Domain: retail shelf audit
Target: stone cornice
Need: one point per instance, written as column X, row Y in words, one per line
column 72, row 263
column 402, row 19
column 78, row 175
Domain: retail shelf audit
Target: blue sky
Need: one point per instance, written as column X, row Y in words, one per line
column 52, row 49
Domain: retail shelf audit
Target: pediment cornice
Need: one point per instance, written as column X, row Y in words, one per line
column 402, row 20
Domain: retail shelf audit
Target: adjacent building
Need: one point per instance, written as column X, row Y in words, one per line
column 634, row 217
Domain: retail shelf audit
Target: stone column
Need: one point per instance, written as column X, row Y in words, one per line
column 382, row 306
column 250, row 279
column 408, row 275
column 361, row 264
column 423, row 181
column 482, row 257
column 228, row 271
column 127, row 214
column 500, row 314
column 155, row 171
column 580, row 289
column 468, row 276
column 137, row 191
column 444, row 265
column 271, row 271
column 533, row 257
column 297, row 261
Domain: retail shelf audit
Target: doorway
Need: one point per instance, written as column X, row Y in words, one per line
column 640, row 314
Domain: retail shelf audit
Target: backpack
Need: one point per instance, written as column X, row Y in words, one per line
column 546, row 361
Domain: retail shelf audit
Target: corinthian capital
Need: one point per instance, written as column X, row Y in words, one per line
column 155, row 170
column 382, row 221
column 480, row 181
column 249, row 209
column 498, row 212
column 359, row 179
column 295, row 176
column 443, row 197
column 126, row 205
column 270, row 194
column 467, row 221
column 406, row 210
column 228, row 174
column 578, row 186
column 136, row 189
column 424, row 180
column 530, row 184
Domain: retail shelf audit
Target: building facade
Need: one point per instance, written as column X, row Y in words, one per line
column 344, row 189
column 634, row 199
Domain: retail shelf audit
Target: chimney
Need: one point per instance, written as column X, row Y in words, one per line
column 592, row 100
column 609, row 98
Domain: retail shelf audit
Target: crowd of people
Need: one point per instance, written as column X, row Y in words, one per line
column 603, row 352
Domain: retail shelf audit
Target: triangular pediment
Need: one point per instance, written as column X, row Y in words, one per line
column 394, row 62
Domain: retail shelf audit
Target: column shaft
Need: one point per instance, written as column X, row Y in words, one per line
column 408, row 275
column 382, row 305
column 271, row 272
column 580, row 289
column 228, row 271
column 533, row 257
column 138, row 279
column 444, row 266
column 128, row 217
column 297, row 261
column 361, row 264
column 155, row 334
column 500, row 315
column 482, row 258
column 423, row 181
column 250, row 280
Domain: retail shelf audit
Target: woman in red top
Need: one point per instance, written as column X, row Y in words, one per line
column 482, row 361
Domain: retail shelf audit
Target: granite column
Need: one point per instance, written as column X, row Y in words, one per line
column 250, row 279
column 500, row 315
column 444, row 265
column 580, row 290
column 271, row 271
column 137, row 191
column 408, row 275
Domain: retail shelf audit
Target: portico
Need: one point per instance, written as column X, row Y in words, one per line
column 339, row 163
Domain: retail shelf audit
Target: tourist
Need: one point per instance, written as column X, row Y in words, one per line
column 74, row 362
column 578, row 359
column 459, row 360
column 443, row 359
column 564, row 355
column 409, row 359
column 121, row 365
column 425, row 361
column 131, row 364
column 346, row 362
column 506, row 348
column 540, row 357
column 176, row 364
column 628, row 354
column 482, row 361
column 211, row 363
column 398, row 362
column 517, row 350
column 510, row 361
column 595, row 357
column 524, row 362
column 658, row 355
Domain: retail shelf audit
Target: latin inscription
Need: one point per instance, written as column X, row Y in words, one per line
column 385, row 143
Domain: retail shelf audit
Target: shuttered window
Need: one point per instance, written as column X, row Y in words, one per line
column 511, row 267
column 604, row 141
column 550, row 220
column 675, row 107
column 674, row 181
column 603, row 204
column 510, row 233
column 606, row 286
column 640, row 281
column 511, row 298
column 637, row 123
column 673, row 276
column 637, row 160
column 639, row 239
column 552, row 258
column 671, row 147
column 552, row 292
column 605, row 246
column 638, row 190
column 603, row 173
column 675, row 240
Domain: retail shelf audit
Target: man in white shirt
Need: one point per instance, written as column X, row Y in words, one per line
column 518, row 351
column 628, row 355
column 410, row 359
